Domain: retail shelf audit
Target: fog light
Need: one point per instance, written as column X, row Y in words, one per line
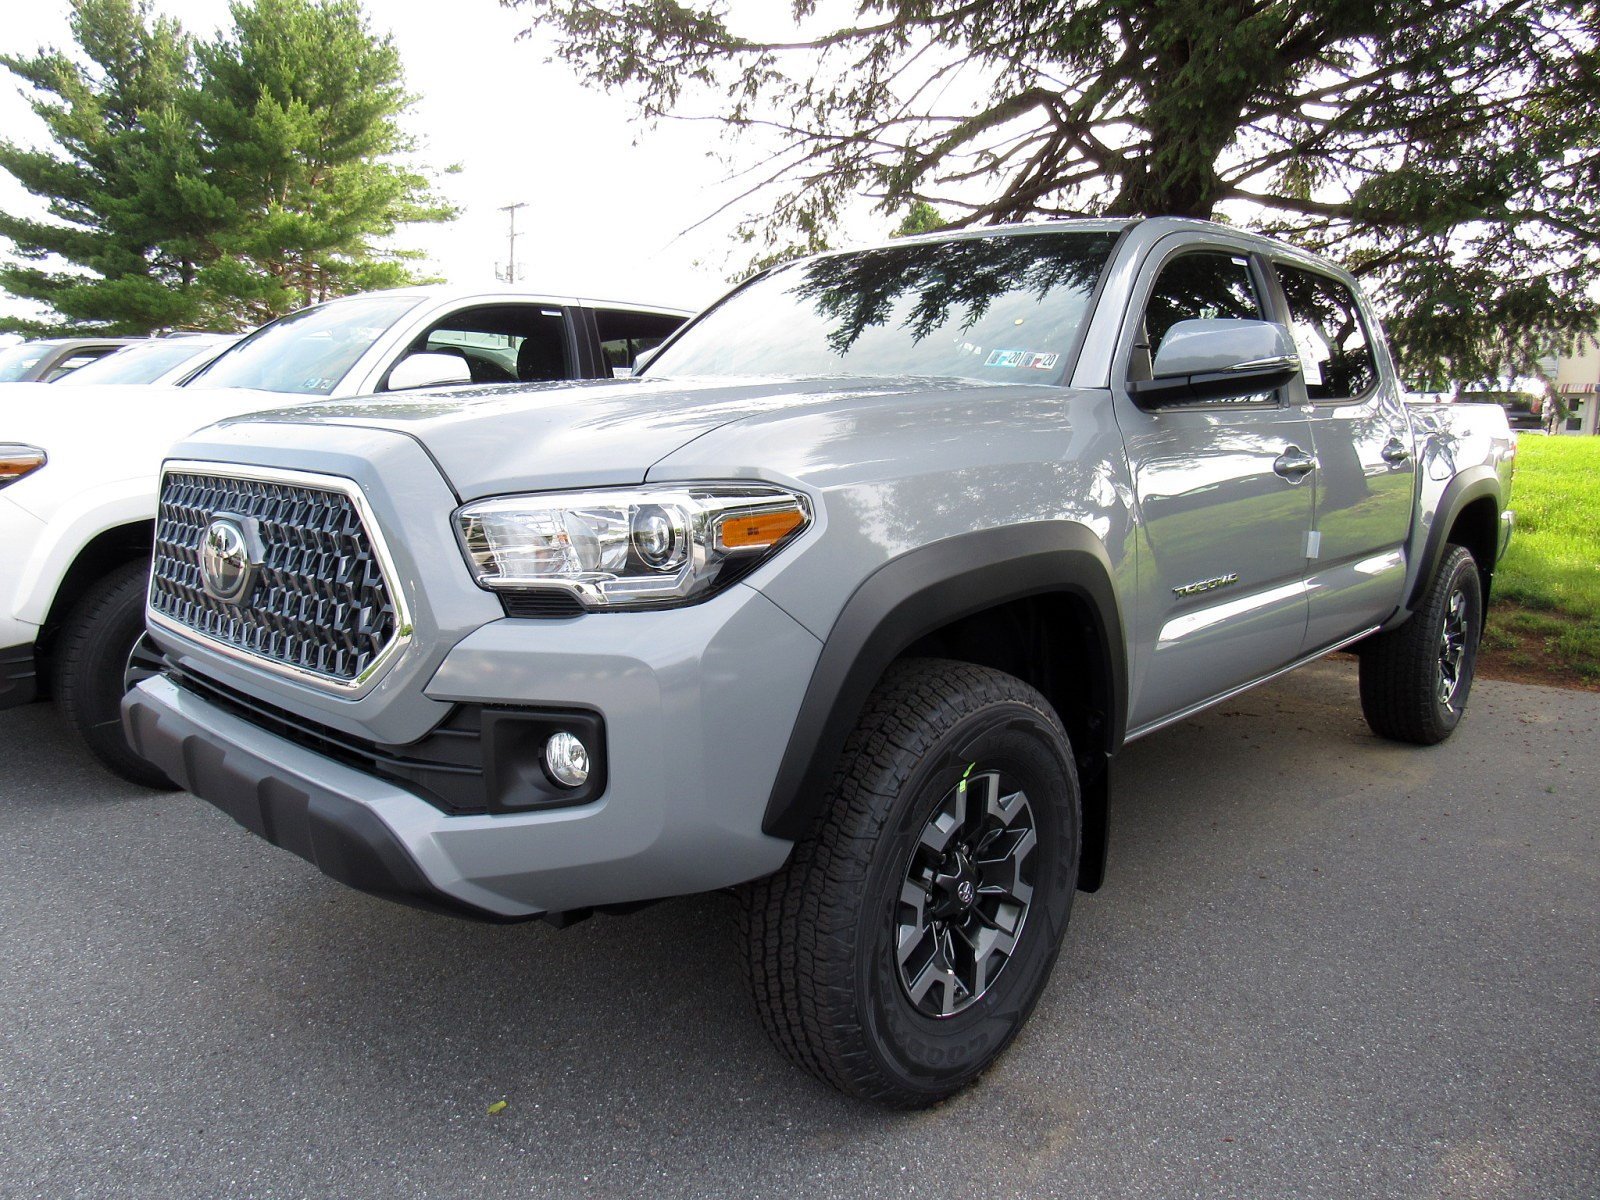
column 567, row 760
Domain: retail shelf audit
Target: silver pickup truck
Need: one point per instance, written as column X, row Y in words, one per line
column 848, row 602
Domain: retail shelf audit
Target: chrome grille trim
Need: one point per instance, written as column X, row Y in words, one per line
column 351, row 688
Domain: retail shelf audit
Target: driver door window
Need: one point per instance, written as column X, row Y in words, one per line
column 1199, row 286
column 502, row 343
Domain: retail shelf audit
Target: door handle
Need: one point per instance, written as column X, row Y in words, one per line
column 1396, row 452
column 1294, row 464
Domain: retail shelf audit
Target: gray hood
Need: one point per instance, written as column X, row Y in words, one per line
column 491, row 441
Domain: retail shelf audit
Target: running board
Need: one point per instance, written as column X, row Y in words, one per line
column 1185, row 714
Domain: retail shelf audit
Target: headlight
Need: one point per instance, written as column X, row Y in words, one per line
column 17, row 460
column 632, row 548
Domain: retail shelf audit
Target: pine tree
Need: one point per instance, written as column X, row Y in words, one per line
column 212, row 185
column 121, row 246
column 300, row 107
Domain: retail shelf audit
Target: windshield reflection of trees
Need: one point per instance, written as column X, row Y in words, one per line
column 863, row 290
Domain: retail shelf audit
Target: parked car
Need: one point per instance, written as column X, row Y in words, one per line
column 78, row 471
column 164, row 360
column 52, row 358
column 848, row 602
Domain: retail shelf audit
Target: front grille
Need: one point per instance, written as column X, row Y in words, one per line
column 319, row 604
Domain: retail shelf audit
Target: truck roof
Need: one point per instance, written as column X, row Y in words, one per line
column 1154, row 227
column 492, row 292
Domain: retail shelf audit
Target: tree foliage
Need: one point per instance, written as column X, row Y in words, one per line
column 116, row 209
column 215, row 183
column 1443, row 149
column 300, row 109
column 921, row 217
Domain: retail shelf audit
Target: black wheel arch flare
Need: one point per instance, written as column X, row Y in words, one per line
column 921, row 592
column 1470, row 486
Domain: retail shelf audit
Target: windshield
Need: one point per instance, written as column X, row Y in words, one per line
column 307, row 352
column 17, row 361
column 144, row 363
column 1003, row 309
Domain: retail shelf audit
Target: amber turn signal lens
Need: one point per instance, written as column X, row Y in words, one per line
column 17, row 461
column 757, row 531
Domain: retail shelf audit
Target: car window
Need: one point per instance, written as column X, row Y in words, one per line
column 1001, row 310
column 72, row 362
column 1199, row 286
column 17, row 361
column 625, row 334
column 308, row 352
column 1335, row 353
column 144, row 362
column 501, row 343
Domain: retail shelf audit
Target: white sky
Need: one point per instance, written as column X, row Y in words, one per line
column 604, row 213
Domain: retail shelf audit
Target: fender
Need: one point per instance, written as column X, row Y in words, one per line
column 1474, row 483
column 918, row 593
column 67, row 531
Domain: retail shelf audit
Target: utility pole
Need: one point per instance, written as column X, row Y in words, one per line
column 511, row 241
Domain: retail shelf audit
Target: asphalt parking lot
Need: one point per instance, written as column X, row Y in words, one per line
column 1322, row 966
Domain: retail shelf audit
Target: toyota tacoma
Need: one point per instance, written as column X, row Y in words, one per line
column 846, row 603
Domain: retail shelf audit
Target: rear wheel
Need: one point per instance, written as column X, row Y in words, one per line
column 1415, row 680
column 908, row 938
column 97, row 657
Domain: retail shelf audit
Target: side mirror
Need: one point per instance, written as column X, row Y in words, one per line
column 425, row 369
column 1220, row 359
column 642, row 359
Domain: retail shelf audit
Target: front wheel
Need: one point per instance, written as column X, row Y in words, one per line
column 909, row 936
column 1415, row 680
column 96, row 658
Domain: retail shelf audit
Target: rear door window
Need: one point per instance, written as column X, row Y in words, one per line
column 625, row 334
column 1335, row 352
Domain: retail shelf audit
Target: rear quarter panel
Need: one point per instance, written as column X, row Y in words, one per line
column 1460, row 449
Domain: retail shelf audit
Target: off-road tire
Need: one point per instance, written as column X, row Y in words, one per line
column 1402, row 670
column 820, row 936
column 90, row 660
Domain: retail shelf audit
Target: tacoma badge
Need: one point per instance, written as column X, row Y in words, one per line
column 1206, row 585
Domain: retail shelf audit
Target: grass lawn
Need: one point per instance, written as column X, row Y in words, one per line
column 1544, row 625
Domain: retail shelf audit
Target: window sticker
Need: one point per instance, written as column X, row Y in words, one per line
column 1036, row 360
column 1313, row 352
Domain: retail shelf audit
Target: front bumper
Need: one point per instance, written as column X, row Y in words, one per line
column 1508, row 523
column 19, row 678
column 333, row 816
column 697, row 705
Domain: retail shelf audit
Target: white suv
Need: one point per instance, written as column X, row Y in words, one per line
column 78, row 466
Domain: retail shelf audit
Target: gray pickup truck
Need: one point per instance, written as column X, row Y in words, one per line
column 848, row 603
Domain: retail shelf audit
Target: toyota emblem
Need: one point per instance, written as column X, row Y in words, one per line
column 229, row 559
